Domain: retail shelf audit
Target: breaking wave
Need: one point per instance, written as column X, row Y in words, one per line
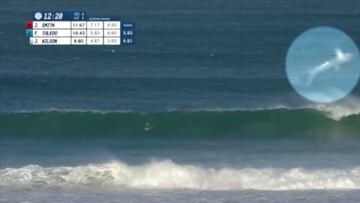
column 315, row 121
column 169, row 175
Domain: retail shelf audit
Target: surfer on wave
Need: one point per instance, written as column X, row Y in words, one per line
column 148, row 127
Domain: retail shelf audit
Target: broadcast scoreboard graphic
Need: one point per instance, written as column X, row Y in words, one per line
column 75, row 28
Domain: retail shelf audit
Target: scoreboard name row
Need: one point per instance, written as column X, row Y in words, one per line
column 80, row 33
column 76, row 25
column 75, row 41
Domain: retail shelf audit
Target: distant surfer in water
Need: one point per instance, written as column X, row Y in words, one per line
column 182, row 108
column 148, row 127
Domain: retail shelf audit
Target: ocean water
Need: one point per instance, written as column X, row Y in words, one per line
column 198, row 110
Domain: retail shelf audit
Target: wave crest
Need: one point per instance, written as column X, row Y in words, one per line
column 338, row 112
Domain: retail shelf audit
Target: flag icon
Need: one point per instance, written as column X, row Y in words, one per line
column 29, row 33
column 29, row 25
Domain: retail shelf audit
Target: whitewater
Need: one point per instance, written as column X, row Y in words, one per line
column 168, row 175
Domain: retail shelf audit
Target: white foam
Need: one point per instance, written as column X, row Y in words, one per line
column 337, row 111
column 169, row 175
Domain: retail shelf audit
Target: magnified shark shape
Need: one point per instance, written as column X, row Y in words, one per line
column 336, row 63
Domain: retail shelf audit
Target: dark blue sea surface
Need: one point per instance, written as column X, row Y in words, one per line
column 188, row 54
column 198, row 110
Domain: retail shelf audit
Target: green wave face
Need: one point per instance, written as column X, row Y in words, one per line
column 255, row 123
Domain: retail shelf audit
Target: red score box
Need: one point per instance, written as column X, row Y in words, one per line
column 29, row 25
